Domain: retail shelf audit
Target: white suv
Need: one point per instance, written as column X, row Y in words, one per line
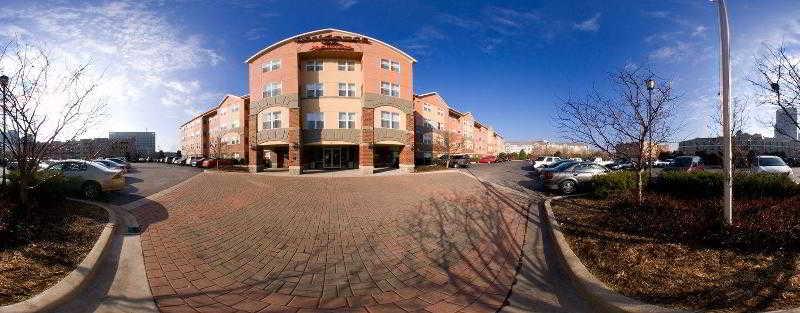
column 545, row 160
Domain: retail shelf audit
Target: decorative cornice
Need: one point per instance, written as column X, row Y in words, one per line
column 352, row 135
column 388, row 134
column 289, row 100
column 276, row 134
column 372, row 100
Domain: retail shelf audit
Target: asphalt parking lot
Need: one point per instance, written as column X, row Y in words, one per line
column 146, row 179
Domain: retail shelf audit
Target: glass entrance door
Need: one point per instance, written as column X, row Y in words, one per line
column 332, row 157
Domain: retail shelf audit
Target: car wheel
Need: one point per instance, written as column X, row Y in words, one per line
column 567, row 187
column 91, row 190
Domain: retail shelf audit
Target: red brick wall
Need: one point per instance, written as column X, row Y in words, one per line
column 294, row 137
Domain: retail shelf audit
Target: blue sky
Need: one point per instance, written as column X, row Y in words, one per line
column 507, row 62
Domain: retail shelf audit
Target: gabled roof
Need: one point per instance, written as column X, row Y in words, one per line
column 324, row 30
column 214, row 108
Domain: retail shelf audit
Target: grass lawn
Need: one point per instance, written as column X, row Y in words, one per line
column 660, row 259
column 50, row 249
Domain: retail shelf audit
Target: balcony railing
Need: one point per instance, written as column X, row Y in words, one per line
column 350, row 135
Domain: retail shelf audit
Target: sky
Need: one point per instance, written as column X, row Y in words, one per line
column 159, row 63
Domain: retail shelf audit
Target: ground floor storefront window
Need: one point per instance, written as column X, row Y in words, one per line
column 330, row 157
column 387, row 156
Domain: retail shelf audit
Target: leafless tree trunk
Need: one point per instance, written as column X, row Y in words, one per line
column 48, row 107
column 778, row 83
column 447, row 143
column 217, row 148
column 624, row 119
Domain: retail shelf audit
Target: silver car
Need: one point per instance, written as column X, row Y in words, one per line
column 94, row 178
column 567, row 177
column 771, row 164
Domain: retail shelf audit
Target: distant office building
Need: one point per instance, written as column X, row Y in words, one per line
column 742, row 143
column 144, row 143
column 544, row 147
column 786, row 124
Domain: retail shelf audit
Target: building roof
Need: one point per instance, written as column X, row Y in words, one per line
column 427, row 94
column 324, row 30
column 214, row 108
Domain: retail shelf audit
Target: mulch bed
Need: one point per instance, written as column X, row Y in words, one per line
column 52, row 248
column 678, row 272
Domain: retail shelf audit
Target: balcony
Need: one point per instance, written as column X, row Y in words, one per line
column 271, row 135
column 389, row 134
column 349, row 135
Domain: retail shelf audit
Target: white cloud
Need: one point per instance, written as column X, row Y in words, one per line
column 700, row 30
column 590, row 25
column 346, row 4
column 142, row 56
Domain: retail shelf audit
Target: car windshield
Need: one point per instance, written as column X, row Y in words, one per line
column 563, row 166
column 770, row 162
column 681, row 162
column 540, row 159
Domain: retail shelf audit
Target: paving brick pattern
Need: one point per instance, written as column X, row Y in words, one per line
column 229, row 242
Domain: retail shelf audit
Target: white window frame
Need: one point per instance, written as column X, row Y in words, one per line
column 347, row 90
column 346, row 65
column 314, row 90
column 347, row 119
column 272, row 120
column 273, row 89
column 314, row 66
column 394, row 66
column 271, row 65
column 427, row 138
column 426, row 107
column 385, row 64
column 395, row 90
column 386, row 88
column 315, row 120
column 390, row 120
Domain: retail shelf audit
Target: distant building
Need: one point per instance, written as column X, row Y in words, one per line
column 744, row 143
column 786, row 123
column 144, row 143
column 93, row 148
column 544, row 147
column 651, row 149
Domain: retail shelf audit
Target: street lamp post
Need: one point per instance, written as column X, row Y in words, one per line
column 650, row 84
column 3, row 86
column 725, row 80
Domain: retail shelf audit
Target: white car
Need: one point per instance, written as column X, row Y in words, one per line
column 771, row 164
column 662, row 163
column 94, row 177
column 602, row 162
column 545, row 160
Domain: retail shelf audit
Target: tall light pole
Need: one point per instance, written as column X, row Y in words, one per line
column 725, row 80
column 650, row 84
column 3, row 86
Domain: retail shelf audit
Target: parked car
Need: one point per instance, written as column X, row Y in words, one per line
column 209, row 163
column 686, row 164
column 456, row 160
column 197, row 162
column 771, row 164
column 179, row 161
column 621, row 164
column 554, row 165
column 121, row 161
column 94, row 177
column 488, row 159
column 112, row 165
column 570, row 176
column 545, row 160
column 662, row 163
column 602, row 162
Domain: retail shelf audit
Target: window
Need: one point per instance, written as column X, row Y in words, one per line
column 347, row 90
column 395, row 66
column 390, row 120
column 273, row 120
column 235, row 124
column 426, row 107
column 427, row 138
column 271, row 65
column 389, row 89
column 235, row 108
column 272, row 89
column 314, row 90
column 314, row 66
column 347, row 65
column 385, row 64
column 314, row 120
column 347, row 120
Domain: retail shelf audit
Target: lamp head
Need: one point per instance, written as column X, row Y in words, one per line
column 4, row 80
column 651, row 84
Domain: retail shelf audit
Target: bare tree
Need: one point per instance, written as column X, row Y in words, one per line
column 627, row 118
column 739, row 119
column 447, row 143
column 777, row 83
column 46, row 106
column 217, row 148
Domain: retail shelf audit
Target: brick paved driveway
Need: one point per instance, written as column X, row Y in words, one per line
column 225, row 242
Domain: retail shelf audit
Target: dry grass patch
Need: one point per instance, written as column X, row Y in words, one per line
column 680, row 267
column 37, row 256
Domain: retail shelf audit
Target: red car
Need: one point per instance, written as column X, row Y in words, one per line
column 488, row 159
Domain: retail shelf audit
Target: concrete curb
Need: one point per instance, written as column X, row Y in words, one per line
column 67, row 288
column 588, row 286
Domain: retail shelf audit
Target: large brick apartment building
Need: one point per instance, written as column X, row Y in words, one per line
column 331, row 99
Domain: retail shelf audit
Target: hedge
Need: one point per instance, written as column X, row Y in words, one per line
column 709, row 185
column 604, row 186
